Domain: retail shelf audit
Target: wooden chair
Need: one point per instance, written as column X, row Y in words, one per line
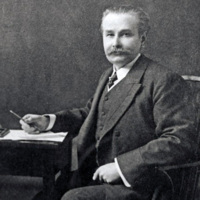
column 190, row 172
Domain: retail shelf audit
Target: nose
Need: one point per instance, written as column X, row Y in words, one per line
column 116, row 42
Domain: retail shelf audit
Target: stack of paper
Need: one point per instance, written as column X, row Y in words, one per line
column 22, row 135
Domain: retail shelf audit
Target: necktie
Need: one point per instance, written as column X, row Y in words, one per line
column 112, row 79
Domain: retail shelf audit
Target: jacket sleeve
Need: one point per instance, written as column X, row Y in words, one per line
column 175, row 133
column 71, row 120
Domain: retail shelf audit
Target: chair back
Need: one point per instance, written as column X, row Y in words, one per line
column 190, row 172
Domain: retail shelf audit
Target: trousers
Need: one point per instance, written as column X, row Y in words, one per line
column 103, row 192
column 70, row 187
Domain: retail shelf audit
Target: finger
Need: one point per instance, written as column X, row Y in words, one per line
column 27, row 128
column 28, row 119
column 31, row 118
column 105, row 179
column 27, row 116
column 95, row 175
column 31, row 121
column 24, row 124
column 32, row 131
column 100, row 174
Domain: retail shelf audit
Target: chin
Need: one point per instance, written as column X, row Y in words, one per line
column 119, row 61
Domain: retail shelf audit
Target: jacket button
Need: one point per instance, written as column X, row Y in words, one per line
column 106, row 98
column 117, row 133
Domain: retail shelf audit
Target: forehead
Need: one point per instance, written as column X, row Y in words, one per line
column 120, row 21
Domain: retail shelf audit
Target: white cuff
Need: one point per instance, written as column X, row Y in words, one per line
column 121, row 175
column 52, row 118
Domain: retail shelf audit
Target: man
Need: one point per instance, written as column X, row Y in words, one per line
column 138, row 119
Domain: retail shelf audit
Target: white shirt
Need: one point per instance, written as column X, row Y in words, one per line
column 121, row 73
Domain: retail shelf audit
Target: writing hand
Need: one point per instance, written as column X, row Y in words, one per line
column 34, row 124
column 107, row 173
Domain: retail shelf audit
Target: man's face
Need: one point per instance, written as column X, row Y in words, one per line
column 121, row 39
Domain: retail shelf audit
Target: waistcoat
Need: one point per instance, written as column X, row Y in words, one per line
column 106, row 101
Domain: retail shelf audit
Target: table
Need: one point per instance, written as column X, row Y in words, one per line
column 35, row 158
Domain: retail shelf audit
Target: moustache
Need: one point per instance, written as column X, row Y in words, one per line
column 118, row 51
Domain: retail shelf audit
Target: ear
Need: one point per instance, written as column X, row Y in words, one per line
column 143, row 37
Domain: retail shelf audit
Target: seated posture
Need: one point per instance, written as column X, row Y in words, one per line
column 139, row 119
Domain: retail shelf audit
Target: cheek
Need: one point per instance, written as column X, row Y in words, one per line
column 106, row 46
column 134, row 45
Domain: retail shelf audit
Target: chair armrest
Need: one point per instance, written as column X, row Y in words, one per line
column 186, row 165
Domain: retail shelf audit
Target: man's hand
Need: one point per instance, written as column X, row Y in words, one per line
column 107, row 173
column 34, row 124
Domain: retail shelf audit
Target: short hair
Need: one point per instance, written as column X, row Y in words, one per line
column 143, row 25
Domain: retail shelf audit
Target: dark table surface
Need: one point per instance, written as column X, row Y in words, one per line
column 35, row 158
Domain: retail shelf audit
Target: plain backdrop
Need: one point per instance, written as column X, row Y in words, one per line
column 51, row 53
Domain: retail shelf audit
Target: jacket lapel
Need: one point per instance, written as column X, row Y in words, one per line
column 127, row 93
column 102, row 83
column 90, row 120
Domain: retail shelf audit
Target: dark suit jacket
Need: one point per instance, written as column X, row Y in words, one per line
column 150, row 123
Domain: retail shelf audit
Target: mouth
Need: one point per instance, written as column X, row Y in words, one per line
column 118, row 53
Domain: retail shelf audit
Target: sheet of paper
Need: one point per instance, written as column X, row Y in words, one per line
column 22, row 135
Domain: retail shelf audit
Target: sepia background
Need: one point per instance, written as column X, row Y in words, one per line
column 51, row 53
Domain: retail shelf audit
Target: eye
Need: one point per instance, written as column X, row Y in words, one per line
column 109, row 34
column 126, row 34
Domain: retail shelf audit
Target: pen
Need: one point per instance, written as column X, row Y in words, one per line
column 19, row 117
column 16, row 115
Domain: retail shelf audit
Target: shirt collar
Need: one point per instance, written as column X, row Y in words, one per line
column 122, row 72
